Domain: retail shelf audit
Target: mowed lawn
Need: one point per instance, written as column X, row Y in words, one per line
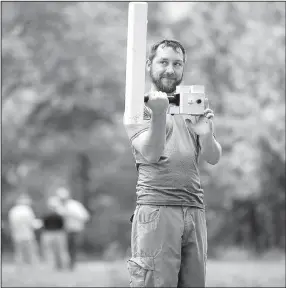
column 262, row 273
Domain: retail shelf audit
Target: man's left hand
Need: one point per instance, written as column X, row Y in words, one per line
column 204, row 124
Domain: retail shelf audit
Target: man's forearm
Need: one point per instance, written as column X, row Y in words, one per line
column 152, row 142
column 211, row 149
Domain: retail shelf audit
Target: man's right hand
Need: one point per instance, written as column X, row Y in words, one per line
column 158, row 102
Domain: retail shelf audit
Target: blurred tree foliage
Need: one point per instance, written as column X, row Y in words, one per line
column 63, row 69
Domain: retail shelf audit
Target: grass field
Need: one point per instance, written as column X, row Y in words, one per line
column 262, row 273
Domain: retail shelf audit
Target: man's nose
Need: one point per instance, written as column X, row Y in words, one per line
column 170, row 69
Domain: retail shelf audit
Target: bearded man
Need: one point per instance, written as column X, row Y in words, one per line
column 169, row 233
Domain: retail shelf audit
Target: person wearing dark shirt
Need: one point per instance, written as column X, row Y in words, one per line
column 54, row 237
column 53, row 222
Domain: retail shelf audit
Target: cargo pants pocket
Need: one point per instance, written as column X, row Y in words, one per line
column 141, row 271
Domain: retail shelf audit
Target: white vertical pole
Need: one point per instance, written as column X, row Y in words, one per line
column 135, row 65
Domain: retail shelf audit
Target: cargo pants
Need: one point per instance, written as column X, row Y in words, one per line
column 168, row 246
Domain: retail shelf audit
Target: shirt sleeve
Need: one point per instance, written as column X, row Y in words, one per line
column 76, row 209
column 84, row 213
column 134, row 130
column 32, row 216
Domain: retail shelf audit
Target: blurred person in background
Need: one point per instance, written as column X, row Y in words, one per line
column 169, row 233
column 38, row 226
column 54, row 238
column 75, row 219
column 21, row 219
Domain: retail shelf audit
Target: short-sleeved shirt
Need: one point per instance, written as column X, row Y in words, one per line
column 21, row 220
column 75, row 216
column 175, row 178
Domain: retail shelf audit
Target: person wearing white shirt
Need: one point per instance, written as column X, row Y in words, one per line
column 21, row 219
column 75, row 219
column 54, row 238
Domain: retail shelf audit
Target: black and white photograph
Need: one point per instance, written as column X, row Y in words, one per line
column 143, row 144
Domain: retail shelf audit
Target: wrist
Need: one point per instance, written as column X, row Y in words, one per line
column 207, row 137
column 158, row 114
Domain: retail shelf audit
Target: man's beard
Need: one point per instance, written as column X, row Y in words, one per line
column 158, row 82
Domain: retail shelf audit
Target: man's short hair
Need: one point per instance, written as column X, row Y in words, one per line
column 176, row 45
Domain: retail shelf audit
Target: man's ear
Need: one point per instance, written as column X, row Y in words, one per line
column 148, row 65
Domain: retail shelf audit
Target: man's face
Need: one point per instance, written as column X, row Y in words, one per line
column 167, row 68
